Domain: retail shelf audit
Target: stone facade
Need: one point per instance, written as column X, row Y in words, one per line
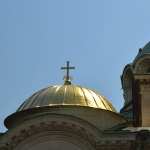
column 79, row 123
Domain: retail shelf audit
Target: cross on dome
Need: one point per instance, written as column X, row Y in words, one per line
column 67, row 68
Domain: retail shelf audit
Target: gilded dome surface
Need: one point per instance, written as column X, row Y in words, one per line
column 66, row 95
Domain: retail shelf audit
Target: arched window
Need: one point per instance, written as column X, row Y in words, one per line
column 148, row 70
column 143, row 67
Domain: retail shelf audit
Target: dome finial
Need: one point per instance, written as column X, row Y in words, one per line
column 67, row 68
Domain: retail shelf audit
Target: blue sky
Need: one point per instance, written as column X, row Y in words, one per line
column 37, row 37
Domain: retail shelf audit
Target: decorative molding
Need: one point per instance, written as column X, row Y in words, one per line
column 53, row 126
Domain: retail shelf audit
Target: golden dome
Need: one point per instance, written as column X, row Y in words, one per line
column 66, row 95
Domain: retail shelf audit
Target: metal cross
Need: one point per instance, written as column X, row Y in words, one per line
column 67, row 68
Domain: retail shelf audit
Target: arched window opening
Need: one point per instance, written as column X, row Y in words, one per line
column 148, row 70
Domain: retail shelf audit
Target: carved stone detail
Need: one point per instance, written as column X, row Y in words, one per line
column 64, row 127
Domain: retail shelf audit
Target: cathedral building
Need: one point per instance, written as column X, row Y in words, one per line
column 72, row 117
